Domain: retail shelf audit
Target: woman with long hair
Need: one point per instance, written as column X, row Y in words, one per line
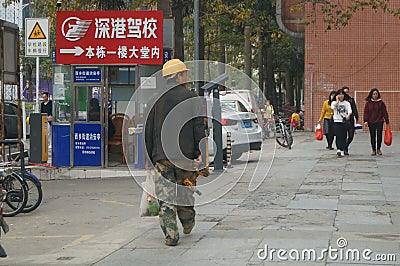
column 341, row 115
column 375, row 114
column 326, row 115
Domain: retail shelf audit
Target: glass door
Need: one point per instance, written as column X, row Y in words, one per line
column 87, row 137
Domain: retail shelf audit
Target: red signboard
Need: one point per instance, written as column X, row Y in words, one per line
column 109, row 37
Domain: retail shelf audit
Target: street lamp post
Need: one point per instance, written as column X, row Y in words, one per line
column 21, row 76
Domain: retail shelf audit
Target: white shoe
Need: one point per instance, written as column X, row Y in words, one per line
column 339, row 153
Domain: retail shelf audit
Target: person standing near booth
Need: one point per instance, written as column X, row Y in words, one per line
column 46, row 107
column 173, row 176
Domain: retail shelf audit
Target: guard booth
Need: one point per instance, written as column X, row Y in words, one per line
column 79, row 104
column 85, row 99
column 89, row 42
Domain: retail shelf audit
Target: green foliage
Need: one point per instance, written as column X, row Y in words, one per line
column 337, row 14
column 224, row 23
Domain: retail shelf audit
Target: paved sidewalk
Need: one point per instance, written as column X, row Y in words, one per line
column 311, row 201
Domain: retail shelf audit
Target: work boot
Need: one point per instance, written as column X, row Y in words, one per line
column 379, row 152
column 171, row 242
column 187, row 230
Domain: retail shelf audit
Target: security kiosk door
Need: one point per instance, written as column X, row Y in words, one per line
column 88, row 136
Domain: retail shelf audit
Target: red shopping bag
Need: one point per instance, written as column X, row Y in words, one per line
column 388, row 136
column 318, row 133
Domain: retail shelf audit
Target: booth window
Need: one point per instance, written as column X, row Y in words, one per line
column 87, row 103
column 122, row 75
column 61, row 93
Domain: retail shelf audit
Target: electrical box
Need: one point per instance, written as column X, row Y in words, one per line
column 39, row 142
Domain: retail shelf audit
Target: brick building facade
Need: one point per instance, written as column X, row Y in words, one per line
column 363, row 55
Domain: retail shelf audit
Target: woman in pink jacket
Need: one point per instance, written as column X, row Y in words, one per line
column 375, row 114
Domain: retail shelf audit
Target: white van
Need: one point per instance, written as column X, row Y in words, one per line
column 245, row 97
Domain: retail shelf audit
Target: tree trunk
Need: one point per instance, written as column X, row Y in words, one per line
column 270, row 76
column 289, row 88
column 221, row 67
column 298, row 93
column 280, row 98
column 164, row 6
column 177, row 13
column 261, row 69
column 203, row 11
column 247, row 56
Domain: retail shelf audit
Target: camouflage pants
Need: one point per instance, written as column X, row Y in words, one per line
column 174, row 198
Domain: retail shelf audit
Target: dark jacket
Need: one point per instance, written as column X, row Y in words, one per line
column 375, row 112
column 353, row 107
column 47, row 108
column 190, row 131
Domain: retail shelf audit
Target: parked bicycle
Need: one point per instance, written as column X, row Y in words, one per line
column 283, row 135
column 24, row 190
column 3, row 198
column 269, row 128
column 277, row 128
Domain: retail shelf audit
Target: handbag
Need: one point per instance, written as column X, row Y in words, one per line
column 388, row 136
column 318, row 133
column 148, row 203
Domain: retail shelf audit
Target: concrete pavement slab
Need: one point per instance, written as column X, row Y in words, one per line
column 154, row 238
column 349, row 207
column 158, row 256
column 362, row 217
column 223, row 249
column 312, row 202
column 305, row 202
column 362, row 186
column 367, row 197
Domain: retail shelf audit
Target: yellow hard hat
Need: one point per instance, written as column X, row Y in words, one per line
column 173, row 66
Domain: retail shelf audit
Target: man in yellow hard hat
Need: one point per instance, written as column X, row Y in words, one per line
column 173, row 130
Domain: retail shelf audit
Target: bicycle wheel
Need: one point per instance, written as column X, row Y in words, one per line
column 281, row 136
column 35, row 193
column 271, row 128
column 290, row 139
column 17, row 194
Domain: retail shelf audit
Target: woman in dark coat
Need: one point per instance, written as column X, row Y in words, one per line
column 375, row 114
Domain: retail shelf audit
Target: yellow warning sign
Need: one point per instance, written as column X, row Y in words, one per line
column 37, row 32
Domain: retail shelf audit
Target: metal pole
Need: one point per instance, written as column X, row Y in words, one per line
column 217, row 131
column 311, row 100
column 228, row 150
column 196, row 46
column 2, row 101
column 37, row 85
column 21, row 75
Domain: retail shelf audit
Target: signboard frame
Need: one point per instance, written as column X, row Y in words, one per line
column 87, row 144
column 37, row 42
column 109, row 37
column 88, row 75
